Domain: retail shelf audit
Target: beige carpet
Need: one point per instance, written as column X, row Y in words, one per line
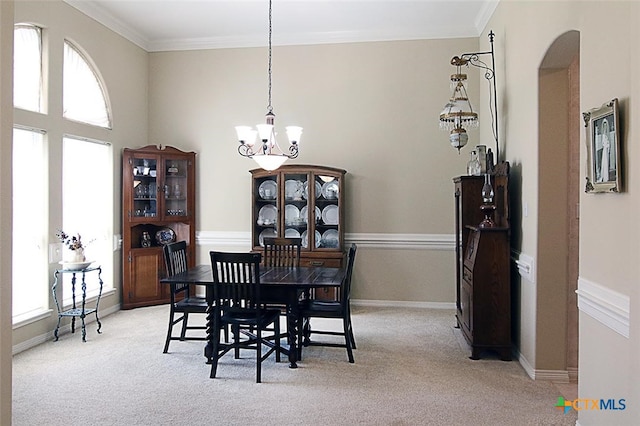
column 411, row 369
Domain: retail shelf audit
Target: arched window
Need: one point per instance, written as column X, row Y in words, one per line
column 84, row 98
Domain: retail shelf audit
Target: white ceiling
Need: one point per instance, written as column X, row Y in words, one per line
column 158, row 25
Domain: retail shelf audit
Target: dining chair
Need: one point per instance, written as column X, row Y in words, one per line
column 282, row 252
column 183, row 303
column 238, row 303
column 330, row 309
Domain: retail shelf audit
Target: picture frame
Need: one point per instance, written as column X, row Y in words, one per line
column 603, row 148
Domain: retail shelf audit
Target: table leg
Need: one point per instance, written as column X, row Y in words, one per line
column 73, row 298
column 82, row 313
column 292, row 330
column 98, row 300
column 208, row 349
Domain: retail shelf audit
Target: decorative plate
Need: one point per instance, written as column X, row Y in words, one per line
column 165, row 236
column 267, row 233
column 75, row 266
column 305, row 239
column 330, row 190
column 291, row 233
column 303, row 214
column 330, row 215
column 291, row 215
column 330, row 239
column 268, row 215
column 305, row 192
column 268, row 190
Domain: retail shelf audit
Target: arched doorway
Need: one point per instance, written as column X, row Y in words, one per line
column 559, row 190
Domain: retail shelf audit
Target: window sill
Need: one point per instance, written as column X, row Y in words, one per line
column 31, row 317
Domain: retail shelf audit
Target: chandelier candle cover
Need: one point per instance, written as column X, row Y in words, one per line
column 268, row 153
column 458, row 114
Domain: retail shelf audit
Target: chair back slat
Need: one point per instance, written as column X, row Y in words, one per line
column 282, row 252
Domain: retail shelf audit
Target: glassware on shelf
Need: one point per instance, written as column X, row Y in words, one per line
column 487, row 190
column 146, row 239
column 487, row 206
column 473, row 166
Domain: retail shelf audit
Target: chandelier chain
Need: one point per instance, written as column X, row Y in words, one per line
column 269, row 107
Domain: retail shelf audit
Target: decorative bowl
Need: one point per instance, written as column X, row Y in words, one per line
column 75, row 266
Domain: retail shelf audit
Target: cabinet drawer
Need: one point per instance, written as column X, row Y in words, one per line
column 329, row 263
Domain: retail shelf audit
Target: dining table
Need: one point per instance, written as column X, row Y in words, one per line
column 281, row 285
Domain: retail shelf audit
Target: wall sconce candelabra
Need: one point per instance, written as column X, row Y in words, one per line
column 458, row 114
column 268, row 153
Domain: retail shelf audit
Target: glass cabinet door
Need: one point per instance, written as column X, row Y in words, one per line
column 265, row 205
column 145, row 187
column 296, row 206
column 327, row 215
column 175, row 188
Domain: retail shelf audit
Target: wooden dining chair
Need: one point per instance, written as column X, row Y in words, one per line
column 238, row 304
column 282, row 252
column 330, row 309
column 285, row 253
column 183, row 303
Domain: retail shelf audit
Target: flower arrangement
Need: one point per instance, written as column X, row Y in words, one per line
column 72, row 242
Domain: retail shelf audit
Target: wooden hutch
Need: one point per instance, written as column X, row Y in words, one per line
column 158, row 207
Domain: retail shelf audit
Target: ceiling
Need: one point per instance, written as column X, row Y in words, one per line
column 160, row 25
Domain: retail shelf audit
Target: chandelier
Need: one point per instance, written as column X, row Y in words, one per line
column 267, row 153
column 458, row 113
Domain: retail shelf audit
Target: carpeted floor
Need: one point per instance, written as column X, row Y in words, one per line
column 412, row 368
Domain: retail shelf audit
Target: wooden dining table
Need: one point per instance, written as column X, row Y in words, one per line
column 281, row 285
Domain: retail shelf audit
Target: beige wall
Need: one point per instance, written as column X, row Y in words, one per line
column 369, row 108
column 6, row 131
column 608, row 230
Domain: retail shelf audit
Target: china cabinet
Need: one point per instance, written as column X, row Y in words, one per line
column 158, row 207
column 483, row 301
column 301, row 201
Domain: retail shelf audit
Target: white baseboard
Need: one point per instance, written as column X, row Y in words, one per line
column 403, row 304
column 557, row 376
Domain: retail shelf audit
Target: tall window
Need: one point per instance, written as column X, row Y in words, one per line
column 87, row 203
column 30, row 281
column 27, row 67
column 87, row 177
column 84, row 99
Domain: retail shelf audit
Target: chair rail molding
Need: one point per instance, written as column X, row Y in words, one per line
column 604, row 305
column 379, row 241
column 525, row 265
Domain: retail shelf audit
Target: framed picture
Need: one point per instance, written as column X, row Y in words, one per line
column 603, row 148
